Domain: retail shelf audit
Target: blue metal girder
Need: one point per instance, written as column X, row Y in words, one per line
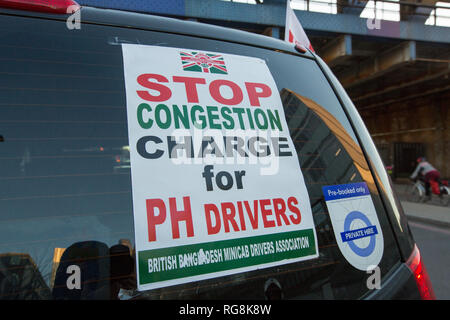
column 272, row 13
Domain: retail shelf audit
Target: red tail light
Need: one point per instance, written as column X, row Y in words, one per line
column 417, row 267
column 48, row 6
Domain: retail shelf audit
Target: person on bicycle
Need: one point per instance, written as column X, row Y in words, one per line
column 429, row 173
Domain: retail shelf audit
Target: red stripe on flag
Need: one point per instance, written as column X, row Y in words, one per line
column 189, row 65
column 291, row 37
column 220, row 68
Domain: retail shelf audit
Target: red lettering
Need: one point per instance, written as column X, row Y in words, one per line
column 152, row 219
column 254, row 96
column 164, row 92
column 265, row 212
column 177, row 216
column 214, row 89
column 191, row 87
column 252, row 216
column 280, row 208
column 292, row 201
column 210, row 228
column 241, row 215
column 275, row 212
column 228, row 213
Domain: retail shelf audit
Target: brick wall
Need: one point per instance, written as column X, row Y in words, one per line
column 424, row 120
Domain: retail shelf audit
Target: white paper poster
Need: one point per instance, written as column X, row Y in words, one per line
column 216, row 182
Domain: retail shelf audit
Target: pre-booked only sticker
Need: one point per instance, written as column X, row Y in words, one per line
column 216, row 182
column 355, row 223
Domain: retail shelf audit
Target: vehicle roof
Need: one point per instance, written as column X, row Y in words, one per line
column 151, row 22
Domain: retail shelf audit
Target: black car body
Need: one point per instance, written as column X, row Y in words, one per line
column 65, row 174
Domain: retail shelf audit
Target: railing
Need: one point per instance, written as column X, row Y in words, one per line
column 436, row 14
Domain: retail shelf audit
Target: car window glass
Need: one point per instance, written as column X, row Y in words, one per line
column 65, row 192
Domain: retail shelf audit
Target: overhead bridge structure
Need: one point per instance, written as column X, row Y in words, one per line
column 393, row 58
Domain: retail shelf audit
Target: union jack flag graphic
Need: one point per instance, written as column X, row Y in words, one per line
column 203, row 62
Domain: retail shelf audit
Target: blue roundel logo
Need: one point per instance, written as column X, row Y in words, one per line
column 366, row 230
column 357, row 229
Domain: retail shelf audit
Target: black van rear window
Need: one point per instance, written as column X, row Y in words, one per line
column 65, row 182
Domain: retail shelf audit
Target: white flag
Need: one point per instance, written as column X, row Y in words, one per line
column 294, row 30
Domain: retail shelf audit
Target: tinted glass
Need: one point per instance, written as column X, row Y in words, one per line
column 65, row 189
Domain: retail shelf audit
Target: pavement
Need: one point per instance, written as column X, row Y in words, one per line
column 431, row 212
column 427, row 213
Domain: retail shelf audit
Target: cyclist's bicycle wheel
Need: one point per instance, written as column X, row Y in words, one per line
column 416, row 194
column 444, row 198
